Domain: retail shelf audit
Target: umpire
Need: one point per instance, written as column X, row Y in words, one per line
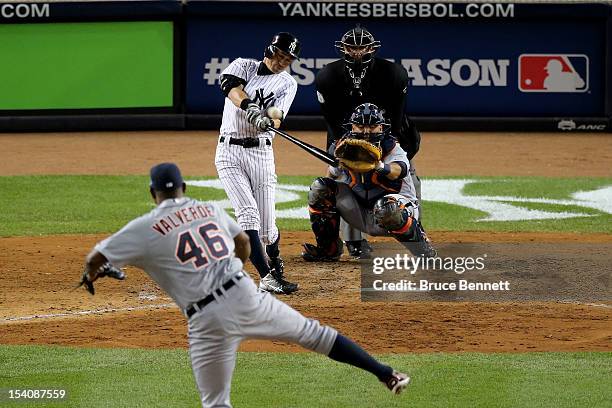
column 357, row 78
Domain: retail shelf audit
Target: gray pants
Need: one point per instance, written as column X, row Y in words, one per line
column 351, row 232
column 360, row 218
column 240, row 313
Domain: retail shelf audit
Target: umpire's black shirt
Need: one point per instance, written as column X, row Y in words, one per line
column 384, row 85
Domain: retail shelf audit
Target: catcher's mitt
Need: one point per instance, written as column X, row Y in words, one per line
column 105, row 270
column 357, row 155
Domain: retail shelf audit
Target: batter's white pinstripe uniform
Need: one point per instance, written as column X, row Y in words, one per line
column 248, row 174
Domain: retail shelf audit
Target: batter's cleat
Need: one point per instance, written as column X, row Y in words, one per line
column 277, row 269
column 397, row 382
column 278, row 265
column 359, row 249
column 270, row 284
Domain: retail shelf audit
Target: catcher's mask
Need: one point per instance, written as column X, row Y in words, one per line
column 368, row 122
column 285, row 42
column 357, row 48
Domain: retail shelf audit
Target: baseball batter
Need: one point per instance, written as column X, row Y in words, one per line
column 196, row 252
column 379, row 202
column 245, row 159
column 357, row 78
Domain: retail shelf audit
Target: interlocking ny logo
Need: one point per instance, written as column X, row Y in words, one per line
column 292, row 47
column 261, row 100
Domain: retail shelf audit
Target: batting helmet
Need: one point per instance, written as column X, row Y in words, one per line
column 368, row 114
column 357, row 46
column 285, row 42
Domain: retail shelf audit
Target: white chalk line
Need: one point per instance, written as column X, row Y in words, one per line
column 589, row 304
column 567, row 302
column 170, row 306
column 88, row 312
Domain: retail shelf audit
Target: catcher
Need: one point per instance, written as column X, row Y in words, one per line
column 371, row 189
column 358, row 77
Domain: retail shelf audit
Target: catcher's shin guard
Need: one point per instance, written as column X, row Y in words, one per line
column 398, row 219
column 325, row 221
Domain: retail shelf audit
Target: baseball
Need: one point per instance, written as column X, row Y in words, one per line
column 274, row 113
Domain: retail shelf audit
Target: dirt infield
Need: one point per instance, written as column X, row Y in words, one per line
column 441, row 154
column 37, row 305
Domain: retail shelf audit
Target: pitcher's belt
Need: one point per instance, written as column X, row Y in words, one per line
column 201, row 304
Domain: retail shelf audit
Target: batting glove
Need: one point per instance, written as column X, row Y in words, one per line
column 252, row 112
column 263, row 122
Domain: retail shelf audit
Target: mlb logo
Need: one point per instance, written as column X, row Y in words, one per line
column 553, row 73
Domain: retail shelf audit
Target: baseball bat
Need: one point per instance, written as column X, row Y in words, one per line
column 579, row 80
column 313, row 150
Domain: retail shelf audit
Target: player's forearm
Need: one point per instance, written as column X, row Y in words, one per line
column 93, row 262
column 237, row 96
column 242, row 247
column 391, row 171
column 396, row 171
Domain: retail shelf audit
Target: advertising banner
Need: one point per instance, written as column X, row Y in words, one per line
column 532, row 65
column 86, row 65
column 29, row 12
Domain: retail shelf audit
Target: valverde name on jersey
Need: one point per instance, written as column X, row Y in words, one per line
column 183, row 216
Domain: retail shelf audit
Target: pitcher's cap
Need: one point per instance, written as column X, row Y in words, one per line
column 166, row 176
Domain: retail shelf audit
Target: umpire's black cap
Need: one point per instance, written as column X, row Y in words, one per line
column 165, row 177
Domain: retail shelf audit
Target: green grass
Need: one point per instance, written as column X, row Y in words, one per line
column 163, row 378
column 533, row 187
column 33, row 205
column 39, row 205
column 448, row 217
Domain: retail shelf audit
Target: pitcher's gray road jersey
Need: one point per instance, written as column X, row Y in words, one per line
column 265, row 90
column 185, row 245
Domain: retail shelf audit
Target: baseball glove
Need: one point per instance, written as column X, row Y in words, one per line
column 105, row 270
column 357, row 155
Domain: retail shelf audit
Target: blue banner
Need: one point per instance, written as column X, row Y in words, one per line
column 400, row 10
column 521, row 68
